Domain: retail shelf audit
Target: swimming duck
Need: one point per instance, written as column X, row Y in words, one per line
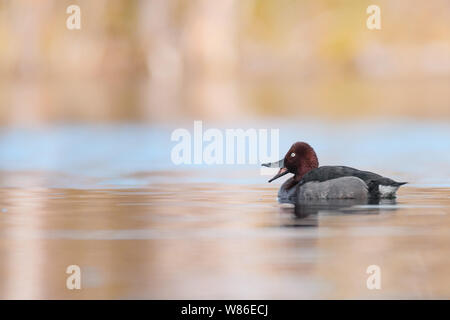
column 327, row 182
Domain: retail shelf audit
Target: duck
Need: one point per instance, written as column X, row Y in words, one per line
column 311, row 182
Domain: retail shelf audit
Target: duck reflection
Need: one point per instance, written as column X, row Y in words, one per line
column 305, row 213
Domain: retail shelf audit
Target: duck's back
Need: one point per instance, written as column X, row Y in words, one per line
column 376, row 185
column 325, row 173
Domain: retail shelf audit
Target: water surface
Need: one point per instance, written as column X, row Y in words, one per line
column 109, row 200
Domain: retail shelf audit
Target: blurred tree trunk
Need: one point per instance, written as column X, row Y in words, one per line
column 161, row 93
column 209, row 42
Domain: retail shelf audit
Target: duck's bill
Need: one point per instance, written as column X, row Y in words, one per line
column 276, row 164
column 280, row 173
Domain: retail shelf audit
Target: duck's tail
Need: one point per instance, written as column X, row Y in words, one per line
column 378, row 189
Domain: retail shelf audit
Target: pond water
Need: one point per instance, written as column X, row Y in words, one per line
column 108, row 199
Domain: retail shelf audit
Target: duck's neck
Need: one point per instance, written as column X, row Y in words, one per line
column 304, row 169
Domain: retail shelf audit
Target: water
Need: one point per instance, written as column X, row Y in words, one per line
column 109, row 200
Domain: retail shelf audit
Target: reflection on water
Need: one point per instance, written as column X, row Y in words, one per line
column 220, row 241
column 141, row 228
column 305, row 208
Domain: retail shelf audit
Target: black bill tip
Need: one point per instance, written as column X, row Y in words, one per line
column 280, row 173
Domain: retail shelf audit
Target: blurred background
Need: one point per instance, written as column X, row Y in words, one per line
column 86, row 118
column 156, row 61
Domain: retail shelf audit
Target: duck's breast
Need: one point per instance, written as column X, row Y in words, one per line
column 287, row 195
column 339, row 188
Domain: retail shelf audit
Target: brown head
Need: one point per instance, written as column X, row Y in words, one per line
column 300, row 159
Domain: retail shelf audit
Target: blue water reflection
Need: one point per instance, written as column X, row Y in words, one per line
column 126, row 154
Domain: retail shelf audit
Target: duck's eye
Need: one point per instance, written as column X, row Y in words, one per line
column 293, row 154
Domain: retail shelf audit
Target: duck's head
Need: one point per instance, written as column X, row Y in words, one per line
column 300, row 159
